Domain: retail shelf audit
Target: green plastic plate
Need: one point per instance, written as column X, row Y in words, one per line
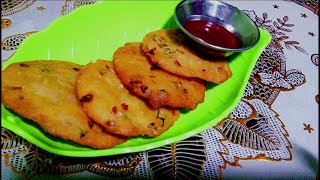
column 95, row 32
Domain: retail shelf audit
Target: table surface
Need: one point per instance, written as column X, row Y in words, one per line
column 279, row 107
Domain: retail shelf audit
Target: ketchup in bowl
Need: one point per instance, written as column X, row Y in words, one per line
column 212, row 33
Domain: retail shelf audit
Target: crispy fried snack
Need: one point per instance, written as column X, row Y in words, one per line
column 158, row 86
column 109, row 103
column 44, row 92
column 170, row 50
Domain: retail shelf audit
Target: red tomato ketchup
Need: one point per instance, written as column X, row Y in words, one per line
column 212, row 33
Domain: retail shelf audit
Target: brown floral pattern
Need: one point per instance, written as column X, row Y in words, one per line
column 13, row 42
column 11, row 7
column 5, row 23
column 312, row 5
column 278, row 30
column 70, row 5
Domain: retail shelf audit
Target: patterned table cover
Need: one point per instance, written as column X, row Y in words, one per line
column 278, row 111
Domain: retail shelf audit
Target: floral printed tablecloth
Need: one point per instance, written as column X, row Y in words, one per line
column 278, row 112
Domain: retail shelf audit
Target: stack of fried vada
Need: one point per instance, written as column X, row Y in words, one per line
column 104, row 103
